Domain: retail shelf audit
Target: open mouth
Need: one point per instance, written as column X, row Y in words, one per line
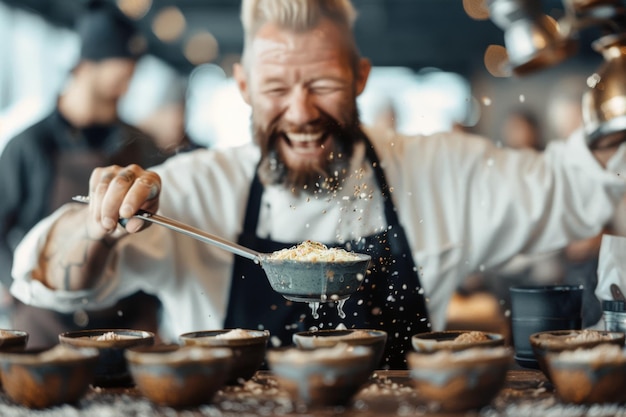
column 306, row 142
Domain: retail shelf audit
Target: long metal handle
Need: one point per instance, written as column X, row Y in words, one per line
column 189, row 231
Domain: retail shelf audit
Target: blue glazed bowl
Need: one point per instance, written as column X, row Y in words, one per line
column 323, row 376
column 462, row 380
column 314, row 281
column 557, row 341
column 248, row 347
column 374, row 339
column 175, row 376
column 589, row 376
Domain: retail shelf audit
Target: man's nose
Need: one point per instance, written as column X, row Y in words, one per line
column 301, row 108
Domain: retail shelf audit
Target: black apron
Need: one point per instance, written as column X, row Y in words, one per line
column 390, row 297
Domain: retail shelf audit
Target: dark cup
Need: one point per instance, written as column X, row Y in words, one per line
column 542, row 308
column 555, row 301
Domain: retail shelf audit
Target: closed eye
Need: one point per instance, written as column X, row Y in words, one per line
column 325, row 89
column 326, row 86
column 275, row 91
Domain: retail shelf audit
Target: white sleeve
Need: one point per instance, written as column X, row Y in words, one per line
column 493, row 203
column 33, row 292
column 617, row 163
column 563, row 195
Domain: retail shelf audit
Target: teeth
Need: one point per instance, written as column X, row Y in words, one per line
column 304, row 137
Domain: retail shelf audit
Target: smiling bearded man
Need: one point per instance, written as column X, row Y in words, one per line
column 303, row 94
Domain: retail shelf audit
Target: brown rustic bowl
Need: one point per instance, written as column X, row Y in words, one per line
column 452, row 340
column 589, row 376
column 13, row 340
column 323, row 376
column 44, row 378
column 556, row 341
column 175, row 376
column 112, row 369
column 455, row 381
column 375, row 339
column 248, row 347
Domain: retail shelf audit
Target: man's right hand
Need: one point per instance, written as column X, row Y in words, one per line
column 119, row 192
column 78, row 246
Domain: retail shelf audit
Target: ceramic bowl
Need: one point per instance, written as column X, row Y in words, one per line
column 248, row 347
column 321, row 377
column 315, row 281
column 112, row 369
column 175, row 376
column 589, row 376
column 375, row 339
column 454, row 340
column 455, row 381
column 44, row 378
column 561, row 340
column 13, row 340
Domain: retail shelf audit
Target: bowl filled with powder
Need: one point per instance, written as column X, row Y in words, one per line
column 589, row 375
column 556, row 341
column 312, row 272
column 461, row 380
column 112, row 369
column 454, row 340
column 326, row 376
column 375, row 339
column 248, row 348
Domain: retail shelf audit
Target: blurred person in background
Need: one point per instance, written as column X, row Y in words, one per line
column 43, row 166
column 429, row 209
column 483, row 298
column 521, row 129
column 156, row 104
column 580, row 258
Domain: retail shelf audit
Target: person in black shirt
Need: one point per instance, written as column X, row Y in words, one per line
column 45, row 165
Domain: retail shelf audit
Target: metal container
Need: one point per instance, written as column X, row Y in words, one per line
column 614, row 315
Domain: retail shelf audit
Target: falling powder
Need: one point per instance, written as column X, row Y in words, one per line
column 314, row 305
column 340, row 311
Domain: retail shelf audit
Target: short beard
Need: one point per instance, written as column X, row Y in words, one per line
column 317, row 177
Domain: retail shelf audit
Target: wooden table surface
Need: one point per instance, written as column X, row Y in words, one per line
column 388, row 393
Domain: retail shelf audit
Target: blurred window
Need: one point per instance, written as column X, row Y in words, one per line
column 35, row 57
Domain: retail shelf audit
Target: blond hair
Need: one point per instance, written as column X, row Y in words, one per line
column 296, row 15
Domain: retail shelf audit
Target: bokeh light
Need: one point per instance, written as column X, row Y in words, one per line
column 169, row 24
column 201, row 48
column 476, row 9
column 496, row 61
column 135, row 9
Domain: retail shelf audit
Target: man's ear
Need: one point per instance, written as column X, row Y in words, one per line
column 363, row 72
column 239, row 73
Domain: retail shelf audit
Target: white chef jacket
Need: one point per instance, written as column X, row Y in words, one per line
column 465, row 205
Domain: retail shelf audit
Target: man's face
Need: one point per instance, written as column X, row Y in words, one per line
column 110, row 79
column 113, row 77
column 302, row 88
